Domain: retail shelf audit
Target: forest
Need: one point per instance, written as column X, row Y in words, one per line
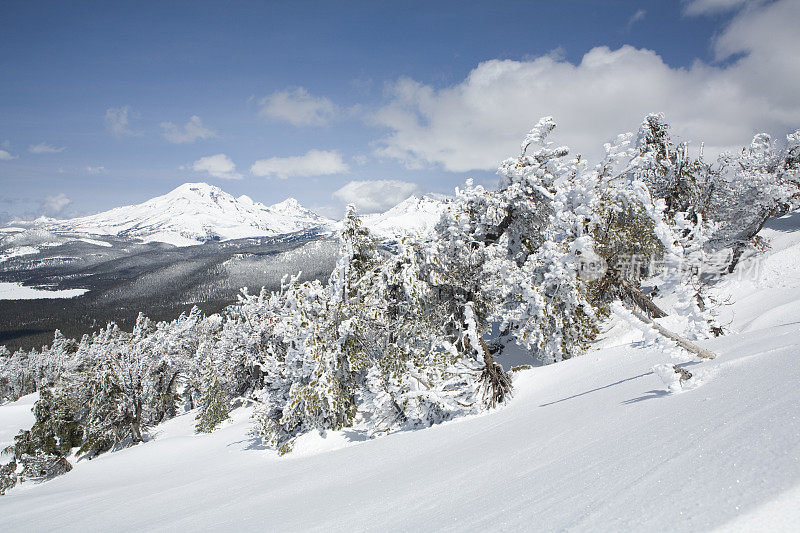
column 405, row 335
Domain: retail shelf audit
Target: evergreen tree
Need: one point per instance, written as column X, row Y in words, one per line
column 55, row 431
column 752, row 187
column 406, row 334
column 514, row 256
column 650, row 223
column 213, row 404
column 419, row 378
column 326, row 332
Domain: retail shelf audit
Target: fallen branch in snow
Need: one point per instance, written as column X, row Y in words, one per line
column 639, row 304
column 680, row 341
column 640, row 299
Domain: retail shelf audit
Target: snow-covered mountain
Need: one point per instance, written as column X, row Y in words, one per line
column 192, row 214
column 415, row 215
column 195, row 213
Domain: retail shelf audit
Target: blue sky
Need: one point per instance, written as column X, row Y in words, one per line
column 111, row 103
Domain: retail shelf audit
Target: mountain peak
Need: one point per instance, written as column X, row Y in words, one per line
column 196, row 186
column 196, row 189
column 194, row 213
column 288, row 204
column 414, row 215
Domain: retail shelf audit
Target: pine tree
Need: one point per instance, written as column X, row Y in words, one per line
column 56, row 427
column 514, row 256
column 104, row 423
column 327, row 336
column 669, row 171
column 213, row 404
column 650, row 223
column 753, row 186
column 419, row 378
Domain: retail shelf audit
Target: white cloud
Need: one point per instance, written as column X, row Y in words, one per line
column 313, row 163
column 118, row 119
column 44, row 148
column 375, row 195
column 217, row 166
column 192, row 131
column 95, row 170
column 53, row 205
column 636, row 17
column 6, row 156
column 480, row 121
column 297, row 107
column 706, row 7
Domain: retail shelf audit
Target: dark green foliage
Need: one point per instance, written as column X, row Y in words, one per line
column 55, row 432
column 40, row 468
column 624, row 233
column 680, row 180
column 213, row 401
column 8, row 476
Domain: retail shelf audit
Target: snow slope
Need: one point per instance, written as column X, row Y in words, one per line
column 15, row 416
column 192, row 213
column 594, row 443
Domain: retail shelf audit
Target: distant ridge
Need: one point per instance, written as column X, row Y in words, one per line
column 194, row 213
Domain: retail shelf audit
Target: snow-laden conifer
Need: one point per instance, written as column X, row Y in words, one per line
column 213, row 401
column 752, row 186
column 515, row 255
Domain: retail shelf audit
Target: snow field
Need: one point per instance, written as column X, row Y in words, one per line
column 17, row 291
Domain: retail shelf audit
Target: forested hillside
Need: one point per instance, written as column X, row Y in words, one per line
column 556, row 261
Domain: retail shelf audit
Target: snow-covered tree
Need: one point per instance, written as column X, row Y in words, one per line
column 669, row 172
column 213, row 403
column 515, row 255
column 325, row 332
column 419, row 378
column 751, row 187
column 651, row 223
column 405, row 335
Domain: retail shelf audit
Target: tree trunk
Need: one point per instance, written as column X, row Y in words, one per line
column 745, row 238
column 136, row 432
column 640, row 299
column 494, row 235
column 167, row 404
column 497, row 383
column 647, row 310
column 136, row 424
column 677, row 339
